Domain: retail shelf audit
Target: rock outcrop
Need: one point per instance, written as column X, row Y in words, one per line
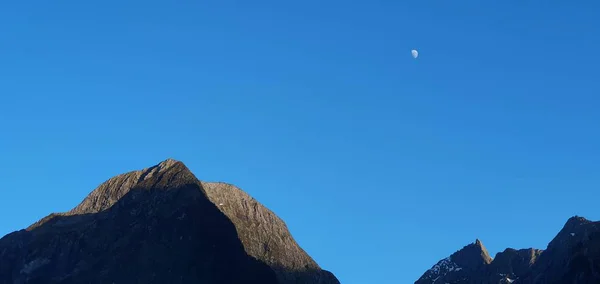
column 159, row 225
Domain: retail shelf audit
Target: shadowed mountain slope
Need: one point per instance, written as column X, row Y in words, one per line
column 159, row 225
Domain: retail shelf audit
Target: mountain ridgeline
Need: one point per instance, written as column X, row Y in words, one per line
column 572, row 257
column 159, row 225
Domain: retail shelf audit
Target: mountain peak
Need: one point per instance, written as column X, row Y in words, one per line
column 160, row 168
column 169, row 173
column 473, row 256
column 573, row 231
column 168, row 163
column 576, row 221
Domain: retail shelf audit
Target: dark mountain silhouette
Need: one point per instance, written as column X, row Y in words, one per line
column 159, row 225
column 573, row 257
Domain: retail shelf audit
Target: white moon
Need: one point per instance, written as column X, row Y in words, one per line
column 414, row 53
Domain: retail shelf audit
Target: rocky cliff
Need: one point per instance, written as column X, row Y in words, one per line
column 159, row 225
column 573, row 257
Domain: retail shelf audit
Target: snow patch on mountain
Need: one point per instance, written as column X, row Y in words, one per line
column 442, row 268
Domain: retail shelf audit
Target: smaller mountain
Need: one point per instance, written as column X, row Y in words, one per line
column 573, row 256
column 470, row 260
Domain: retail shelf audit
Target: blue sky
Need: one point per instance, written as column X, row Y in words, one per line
column 380, row 164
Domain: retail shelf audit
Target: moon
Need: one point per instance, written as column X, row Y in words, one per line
column 414, row 53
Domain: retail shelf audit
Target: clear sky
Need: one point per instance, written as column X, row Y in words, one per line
column 380, row 164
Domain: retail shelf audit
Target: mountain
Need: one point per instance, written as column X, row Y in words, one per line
column 573, row 257
column 159, row 225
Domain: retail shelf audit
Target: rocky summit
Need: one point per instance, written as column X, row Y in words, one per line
column 572, row 257
column 159, row 225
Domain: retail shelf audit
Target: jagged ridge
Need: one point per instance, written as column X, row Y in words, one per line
column 573, row 256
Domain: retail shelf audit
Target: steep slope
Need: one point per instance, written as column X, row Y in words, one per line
column 157, row 225
column 584, row 262
column 265, row 236
column 575, row 242
column 573, row 256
